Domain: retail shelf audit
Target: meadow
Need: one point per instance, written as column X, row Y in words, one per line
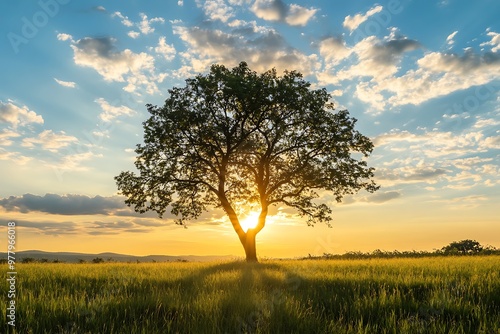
column 402, row 295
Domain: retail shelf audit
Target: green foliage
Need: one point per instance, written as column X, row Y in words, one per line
column 234, row 137
column 427, row 295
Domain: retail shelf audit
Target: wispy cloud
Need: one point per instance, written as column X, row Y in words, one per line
column 14, row 157
column 111, row 112
column 463, row 202
column 124, row 19
column 6, row 135
column 15, row 115
column 144, row 25
column 449, row 39
column 49, row 141
column 494, row 42
column 353, row 22
column 69, row 84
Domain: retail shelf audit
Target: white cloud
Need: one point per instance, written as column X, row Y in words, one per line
column 299, row 16
column 16, row 115
column 269, row 10
column 491, row 143
column 265, row 51
column 441, row 74
column 6, row 135
column 487, row 122
column 380, row 59
column 495, row 41
column 368, row 94
column 137, row 69
column 64, row 37
column 353, row 22
column 73, row 162
column 449, row 39
column 15, row 157
column 145, row 24
column 217, row 10
column 166, row 50
column 409, row 174
column 437, row 74
column 432, row 144
column 333, row 50
column 69, row 84
column 458, row 160
column 111, row 112
column 370, row 58
column 180, row 3
column 125, row 20
column 50, row 141
column 239, row 2
column 277, row 10
column 469, row 163
column 133, row 34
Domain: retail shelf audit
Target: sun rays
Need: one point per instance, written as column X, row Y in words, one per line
column 250, row 220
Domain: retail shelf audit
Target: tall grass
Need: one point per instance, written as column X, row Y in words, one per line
column 425, row 295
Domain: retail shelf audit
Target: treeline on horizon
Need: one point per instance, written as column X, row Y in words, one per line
column 457, row 248
column 466, row 247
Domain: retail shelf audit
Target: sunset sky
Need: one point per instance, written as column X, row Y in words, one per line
column 421, row 77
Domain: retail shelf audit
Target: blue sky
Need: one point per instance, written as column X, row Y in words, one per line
column 421, row 77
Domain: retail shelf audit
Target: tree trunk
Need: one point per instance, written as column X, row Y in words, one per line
column 249, row 246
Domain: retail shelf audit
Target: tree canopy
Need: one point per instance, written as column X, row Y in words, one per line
column 233, row 138
column 466, row 246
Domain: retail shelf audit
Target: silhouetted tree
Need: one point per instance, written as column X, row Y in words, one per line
column 235, row 138
column 463, row 247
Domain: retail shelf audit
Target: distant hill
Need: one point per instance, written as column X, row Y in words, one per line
column 77, row 257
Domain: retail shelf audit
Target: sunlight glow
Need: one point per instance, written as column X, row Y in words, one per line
column 250, row 220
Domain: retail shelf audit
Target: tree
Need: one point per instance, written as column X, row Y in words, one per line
column 233, row 139
column 463, row 247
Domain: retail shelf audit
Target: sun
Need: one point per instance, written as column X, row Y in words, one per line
column 250, row 220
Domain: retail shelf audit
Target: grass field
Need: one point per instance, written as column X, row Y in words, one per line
column 427, row 295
